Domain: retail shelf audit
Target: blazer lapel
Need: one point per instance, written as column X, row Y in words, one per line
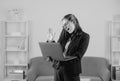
column 74, row 44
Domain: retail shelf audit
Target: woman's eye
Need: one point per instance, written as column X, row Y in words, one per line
column 65, row 27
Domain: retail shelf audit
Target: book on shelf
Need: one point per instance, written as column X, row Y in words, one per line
column 15, row 76
column 14, row 71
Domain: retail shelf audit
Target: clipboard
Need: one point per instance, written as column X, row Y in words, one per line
column 53, row 50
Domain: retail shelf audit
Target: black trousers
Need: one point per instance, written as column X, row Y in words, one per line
column 61, row 75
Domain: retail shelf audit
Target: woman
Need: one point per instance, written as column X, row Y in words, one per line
column 74, row 42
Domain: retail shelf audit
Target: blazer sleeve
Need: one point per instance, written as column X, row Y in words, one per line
column 83, row 45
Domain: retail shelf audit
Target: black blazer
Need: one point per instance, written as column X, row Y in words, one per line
column 77, row 47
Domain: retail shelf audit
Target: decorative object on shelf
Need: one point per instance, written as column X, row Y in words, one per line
column 15, row 14
column 50, row 35
column 21, row 45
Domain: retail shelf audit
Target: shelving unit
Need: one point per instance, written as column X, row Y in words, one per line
column 15, row 49
column 115, row 50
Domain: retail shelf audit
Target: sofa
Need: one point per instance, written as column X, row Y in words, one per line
column 93, row 69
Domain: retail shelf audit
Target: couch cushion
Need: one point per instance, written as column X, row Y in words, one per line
column 45, row 78
column 42, row 67
column 90, row 78
column 83, row 78
column 93, row 66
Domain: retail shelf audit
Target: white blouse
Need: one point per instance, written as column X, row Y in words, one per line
column 66, row 47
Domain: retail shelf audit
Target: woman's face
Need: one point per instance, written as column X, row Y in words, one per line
column 68, row 25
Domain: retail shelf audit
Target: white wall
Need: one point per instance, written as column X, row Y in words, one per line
column 92, row 15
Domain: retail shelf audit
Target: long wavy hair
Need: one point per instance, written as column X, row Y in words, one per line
column 72, row 18
column 64, row 34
